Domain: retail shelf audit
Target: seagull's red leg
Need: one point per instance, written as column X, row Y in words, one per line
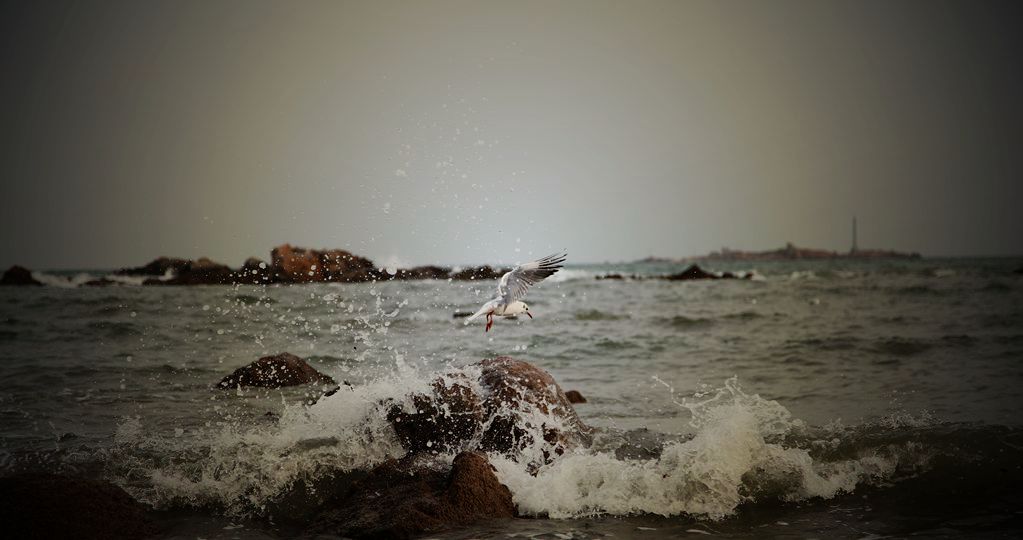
column 490, row 321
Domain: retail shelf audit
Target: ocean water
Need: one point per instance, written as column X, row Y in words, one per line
column 834, row 399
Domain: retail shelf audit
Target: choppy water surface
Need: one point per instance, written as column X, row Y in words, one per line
column 814, row 400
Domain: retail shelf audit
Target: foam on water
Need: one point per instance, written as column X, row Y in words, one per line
column 735, row 456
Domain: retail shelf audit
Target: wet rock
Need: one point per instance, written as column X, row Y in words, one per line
column 455, row 417
column 478, row 273
column 18, row 275
column 442, row 421
column 575, row 397
column 301, row 265
column 38, row 505
column 284, row 369
column 403, row 499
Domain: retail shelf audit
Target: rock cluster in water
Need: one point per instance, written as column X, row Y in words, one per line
column 288, row 264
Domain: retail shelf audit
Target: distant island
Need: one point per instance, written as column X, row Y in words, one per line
column 790, row 252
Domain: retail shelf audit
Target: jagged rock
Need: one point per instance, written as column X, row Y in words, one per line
column 40, row 505
column 400, row 499
column 454, row 417
column 300, row 265
column 575, row 397
column 284, row 369
column 200, row 272
column 255, row 271
column 18, row 275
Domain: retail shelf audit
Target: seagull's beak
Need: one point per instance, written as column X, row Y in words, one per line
column 530, row 314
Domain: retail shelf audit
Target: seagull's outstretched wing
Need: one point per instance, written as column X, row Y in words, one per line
column 514, row 284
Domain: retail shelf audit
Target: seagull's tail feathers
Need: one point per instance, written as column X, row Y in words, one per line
column 483, row 310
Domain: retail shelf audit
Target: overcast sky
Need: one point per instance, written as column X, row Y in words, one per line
column 451, row 132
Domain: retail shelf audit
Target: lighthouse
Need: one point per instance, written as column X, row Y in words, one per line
column 855, row 248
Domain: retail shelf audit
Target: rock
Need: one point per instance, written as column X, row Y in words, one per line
column 478, row 273
column 575, row 397
column 200, row 272
column 443, row 421
column 301, row 265
column 453, row 417
column 423, row 272
column 18, row 275
column 254, row 271
column 158, row 267
column 692, row 272
column 611, row 276
column 284, row 369
column 399, row 499
column 39, row 505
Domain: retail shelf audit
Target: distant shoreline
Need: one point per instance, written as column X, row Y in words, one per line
column 788, row 253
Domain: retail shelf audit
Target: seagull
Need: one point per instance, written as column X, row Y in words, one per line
column 513, row 286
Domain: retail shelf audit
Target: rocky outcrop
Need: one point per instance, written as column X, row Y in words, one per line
column 695, row 272
column 477, row 273
column 454, row 417
column 18, row 275
column 38, row 505
column 284, row 369
column 199, row 272
column 157, row 267
column 423, row 272
column 400, row 499
column 254, row 271
column 575, row 397
column 301, row 265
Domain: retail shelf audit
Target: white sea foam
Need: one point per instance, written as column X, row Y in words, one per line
column 733, row 457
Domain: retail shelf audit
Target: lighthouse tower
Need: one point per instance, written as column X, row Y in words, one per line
column 855, row 247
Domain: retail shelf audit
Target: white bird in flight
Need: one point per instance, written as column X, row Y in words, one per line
column 513, row 286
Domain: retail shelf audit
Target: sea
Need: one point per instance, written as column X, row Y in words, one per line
column 816, row 399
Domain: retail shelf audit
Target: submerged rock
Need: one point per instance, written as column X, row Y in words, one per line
column 157, row 267
column 40, row 505
column 199, row 272
column 401, row 499
column 284, row 369
column 18, row 275
column 575, row 397
column 515, row 395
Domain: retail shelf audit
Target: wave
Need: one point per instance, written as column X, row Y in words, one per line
column 742, row 449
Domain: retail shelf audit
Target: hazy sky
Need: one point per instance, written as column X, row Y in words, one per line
column 448, row 132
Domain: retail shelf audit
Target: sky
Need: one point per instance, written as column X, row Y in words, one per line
column 492, row 132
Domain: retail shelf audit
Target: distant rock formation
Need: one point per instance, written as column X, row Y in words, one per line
column 574, row 397
column 284, row 369
column 18, row 275
column 301, row 265
column 788, row 253
column 695, row 272
column 288, row 264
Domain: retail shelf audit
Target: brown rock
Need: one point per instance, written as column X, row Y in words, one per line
column 423, row 272
column 38, row 505
column 453, row 417
column 575, row 397
column 18, row 275
column 254, row 271
column 284, row 369
column 301, row 265
column 399, row 499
